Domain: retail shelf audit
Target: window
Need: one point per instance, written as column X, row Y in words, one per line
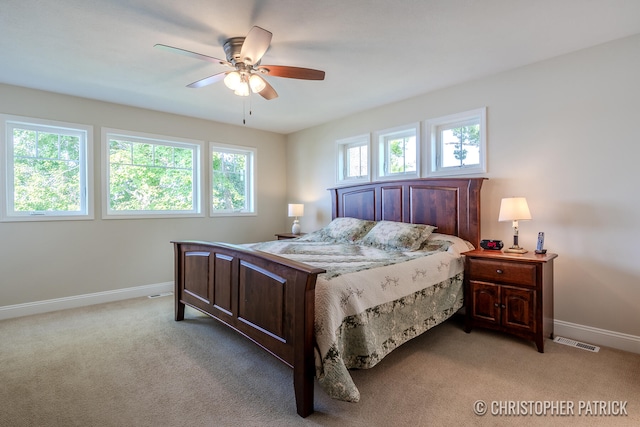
column 457, row 143
column 232, row 180
column 48, row 169
column 150, row 176
column 353, row 159
column 398, row 152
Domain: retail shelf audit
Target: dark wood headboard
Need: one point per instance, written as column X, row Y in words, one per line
column 451, row 204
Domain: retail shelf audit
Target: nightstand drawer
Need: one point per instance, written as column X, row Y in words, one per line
column 502, row 271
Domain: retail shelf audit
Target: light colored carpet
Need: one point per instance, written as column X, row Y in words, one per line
column 129, row 363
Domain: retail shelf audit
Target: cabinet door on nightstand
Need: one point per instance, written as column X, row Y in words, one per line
column 485, row 300
column 519, row 307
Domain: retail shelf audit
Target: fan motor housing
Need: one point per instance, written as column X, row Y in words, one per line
column 232, row 48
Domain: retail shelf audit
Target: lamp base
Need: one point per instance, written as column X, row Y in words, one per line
column 295, row 229
column 515, row 250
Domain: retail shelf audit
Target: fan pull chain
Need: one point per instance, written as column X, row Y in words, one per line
column 244, row 109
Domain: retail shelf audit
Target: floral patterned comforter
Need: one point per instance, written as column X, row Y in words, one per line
column 370, row 300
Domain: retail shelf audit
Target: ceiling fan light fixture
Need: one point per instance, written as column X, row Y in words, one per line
column 233, row 80
column 244, row 55
column 257, row 83
column 242, row 89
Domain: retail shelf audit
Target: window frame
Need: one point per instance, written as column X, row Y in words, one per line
column 381, row 159
column 84, row 132
column 251, row 180
column 143, row 137
column 432, row 167
column 342, row 147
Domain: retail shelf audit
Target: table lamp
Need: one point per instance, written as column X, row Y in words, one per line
column 296, row 210
column 514, row 209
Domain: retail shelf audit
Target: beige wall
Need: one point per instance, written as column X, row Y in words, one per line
column 562, row 133
column 57, row 259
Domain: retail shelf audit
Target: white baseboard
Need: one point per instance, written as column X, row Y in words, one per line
column 18, row 310
column 574, row 331
column 596, row 336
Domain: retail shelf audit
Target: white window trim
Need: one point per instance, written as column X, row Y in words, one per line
column 253, row 181
column 87, row 171
column 431, row 161
column 107, row 213
column 341, row 145
column 378, row 158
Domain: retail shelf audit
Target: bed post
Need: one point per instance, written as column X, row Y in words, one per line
column 304, row 363
column 179, row 306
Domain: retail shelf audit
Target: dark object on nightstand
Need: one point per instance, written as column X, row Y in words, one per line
column 285, row 236
column 512, row 293
column 491, row 244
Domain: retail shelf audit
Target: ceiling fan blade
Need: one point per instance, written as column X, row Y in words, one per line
column 191, row 54
column 291, row 72
column 268, row 92
column 209, row 80
column 255, row 45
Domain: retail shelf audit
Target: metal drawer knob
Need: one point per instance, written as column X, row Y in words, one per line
column 499, row 271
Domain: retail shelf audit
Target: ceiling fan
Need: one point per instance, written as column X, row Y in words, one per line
column 244, row 55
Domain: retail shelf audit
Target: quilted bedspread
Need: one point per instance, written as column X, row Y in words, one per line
column 370, row 300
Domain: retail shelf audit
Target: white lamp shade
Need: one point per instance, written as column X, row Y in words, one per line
column 514, row 209
column 296, row 209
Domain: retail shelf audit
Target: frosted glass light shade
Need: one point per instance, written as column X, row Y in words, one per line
column 257, row 83
column 232, row 80
column 242, row 89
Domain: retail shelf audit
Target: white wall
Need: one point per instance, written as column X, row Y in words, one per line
column 60, row 259
column 563, row 133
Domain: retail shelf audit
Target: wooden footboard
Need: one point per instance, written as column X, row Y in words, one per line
column 267, row 298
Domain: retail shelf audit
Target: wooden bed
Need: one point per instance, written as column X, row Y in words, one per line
column 270, row 299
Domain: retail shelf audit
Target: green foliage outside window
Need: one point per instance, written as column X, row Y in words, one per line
column 465, row 136
column 46, row 172
column 142, row 176
column 150, row 177
column 229, row 188
column 400, row 158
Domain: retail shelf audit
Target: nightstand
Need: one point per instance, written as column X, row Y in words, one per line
column 512, row 293
column 285, row 236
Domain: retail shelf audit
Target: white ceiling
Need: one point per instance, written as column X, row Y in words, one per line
column 373, row 51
